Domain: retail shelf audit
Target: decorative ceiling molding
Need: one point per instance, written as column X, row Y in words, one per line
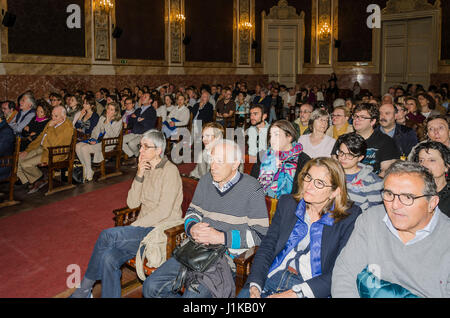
column 283, row 11
column 401, row 6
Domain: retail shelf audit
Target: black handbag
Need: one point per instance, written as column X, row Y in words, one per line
column 195, row 257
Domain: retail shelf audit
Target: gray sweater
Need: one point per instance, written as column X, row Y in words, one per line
column 422, row 267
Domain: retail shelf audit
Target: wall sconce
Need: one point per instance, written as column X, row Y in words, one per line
column 324, row 30
column 103, row 5
column 245, row 26
column 179, row 18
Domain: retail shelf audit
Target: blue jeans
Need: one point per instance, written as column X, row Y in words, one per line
column 278, row 283
column 159, row 283
column 113, row 248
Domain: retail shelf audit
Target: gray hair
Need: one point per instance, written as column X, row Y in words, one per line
column 63, row 110
column 316, row 114
column 157, row 138
column 408, row 167
column 31, row 99
column 237, row 153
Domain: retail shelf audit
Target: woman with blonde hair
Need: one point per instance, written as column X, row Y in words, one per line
column 308, row 231
column 109, row 126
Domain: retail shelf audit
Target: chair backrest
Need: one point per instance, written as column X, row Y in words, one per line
column 68, row 150
column 114, row 141
column 159, row 123
column 12, row 160
column 191, row 118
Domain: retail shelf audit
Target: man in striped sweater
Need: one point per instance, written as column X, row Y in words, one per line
column 227, row 208
column 363, row 185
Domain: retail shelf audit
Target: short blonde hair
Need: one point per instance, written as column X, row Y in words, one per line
column 316, row 115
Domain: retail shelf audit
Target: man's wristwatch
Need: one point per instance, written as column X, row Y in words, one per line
column 298, row 290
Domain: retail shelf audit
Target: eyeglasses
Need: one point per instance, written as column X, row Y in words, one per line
column 357, row 117
column 146, row 147
column 405, row 198
column 319, row 184
column 346, row 155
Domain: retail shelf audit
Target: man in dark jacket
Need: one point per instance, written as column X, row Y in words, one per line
column 6, row 144
column 141, row 121
column 404, row 137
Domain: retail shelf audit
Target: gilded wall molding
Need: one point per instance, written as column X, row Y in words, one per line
column 402, row 6
column 283, row 11
column 244, row 35
column 176, row 31
column 101, row 35
column 324, row 15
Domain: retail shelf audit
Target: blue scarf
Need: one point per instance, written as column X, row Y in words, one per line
column 298, row 234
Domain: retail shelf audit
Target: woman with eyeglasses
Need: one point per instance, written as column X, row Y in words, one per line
column 363, row 185
column 435, row 156
column 340, row 119
column 308, row 231
column 317, row 143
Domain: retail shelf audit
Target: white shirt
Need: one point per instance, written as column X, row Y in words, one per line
column 323, row 149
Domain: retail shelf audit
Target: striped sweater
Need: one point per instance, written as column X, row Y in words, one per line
column 365, row 188
column 240, row 212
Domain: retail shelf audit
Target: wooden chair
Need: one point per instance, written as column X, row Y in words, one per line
column 116, row 153
column 158, row 123
column 11, row 162
column 69, row 152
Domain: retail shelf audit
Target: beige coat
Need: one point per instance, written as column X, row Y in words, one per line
column 160, row 195
column 112, row 130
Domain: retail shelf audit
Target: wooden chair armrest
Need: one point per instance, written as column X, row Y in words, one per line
column 175, row 236
column 243, row 263
column 125, row 216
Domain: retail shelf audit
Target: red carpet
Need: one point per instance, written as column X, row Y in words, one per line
column 38, row 245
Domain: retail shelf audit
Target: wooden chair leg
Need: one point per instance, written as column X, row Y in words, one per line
column 103, row 169
column 50, row 180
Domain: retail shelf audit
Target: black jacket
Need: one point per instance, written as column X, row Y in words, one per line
column 6, row 146
column 205, row 114
column 334, row 238
column 149, row 122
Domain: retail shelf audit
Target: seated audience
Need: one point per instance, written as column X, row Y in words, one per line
column 414, row 111
column 211, row 134
column 265, row 100
column 203, row 110
column 141, row 121
column 57, row 132
column 157, row 189
column 227, row 208
column 257, row 132
column 36, row 125
column 381, row 149
column 55, row 100
column 87, row 118
column 301, row 124
column 308, row 231
column 317, row 143
column 339, row 118
column 179, row 117
column 129, row 110
column 399, row 249
column 436, row 158
column 169, row 103
column 405, row 138
column 242, row 108
column 276, row 105
column 72, row 107
column 6, row 144
column 277, row 166
column 26, row 113
column 225, row 108
column 109, row 126
column 363, row 186
column 9, row 111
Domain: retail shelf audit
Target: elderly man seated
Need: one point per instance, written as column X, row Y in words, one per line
column 157, row 188
column 401, row 248
column 228, row 208
column 57, row 132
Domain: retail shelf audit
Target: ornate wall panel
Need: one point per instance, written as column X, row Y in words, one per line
column 244, row 34
column 101, row 35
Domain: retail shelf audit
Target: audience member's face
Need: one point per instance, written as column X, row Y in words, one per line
column 256, row 116
column 86, row 106
column 145, row 99
column 349, row 105
column 274, row 92
column 228, row 95
column 338, row 117
column 57, row 115
column 365, row 99
column 387, row 116
column 204, row 98
column 55, row 101
column 423, row 102
column 311, row 193
column 398, row 93
column 98, row 95
column 208, row 136
column 168, row 101
column 240, row 98
column 213, row 90
column 5, row 109
column 129, row 105
column 346, row 158
column 438, row 131
column 305, row 113
column 180, row 100
column 279, row 141
column 110, row 111
column 391, row 91
column 72, row 102
column 400, row 115
column 320, row 125
column 147, row 150
column 432, row 160
column 25, row 103
column 403, row 217
column 291, row 91
column 258, row 89
column 155, row 104
column 362, row 121
column 387, row 100
column 40, row 112
column 411, row 106
column 223, row 163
